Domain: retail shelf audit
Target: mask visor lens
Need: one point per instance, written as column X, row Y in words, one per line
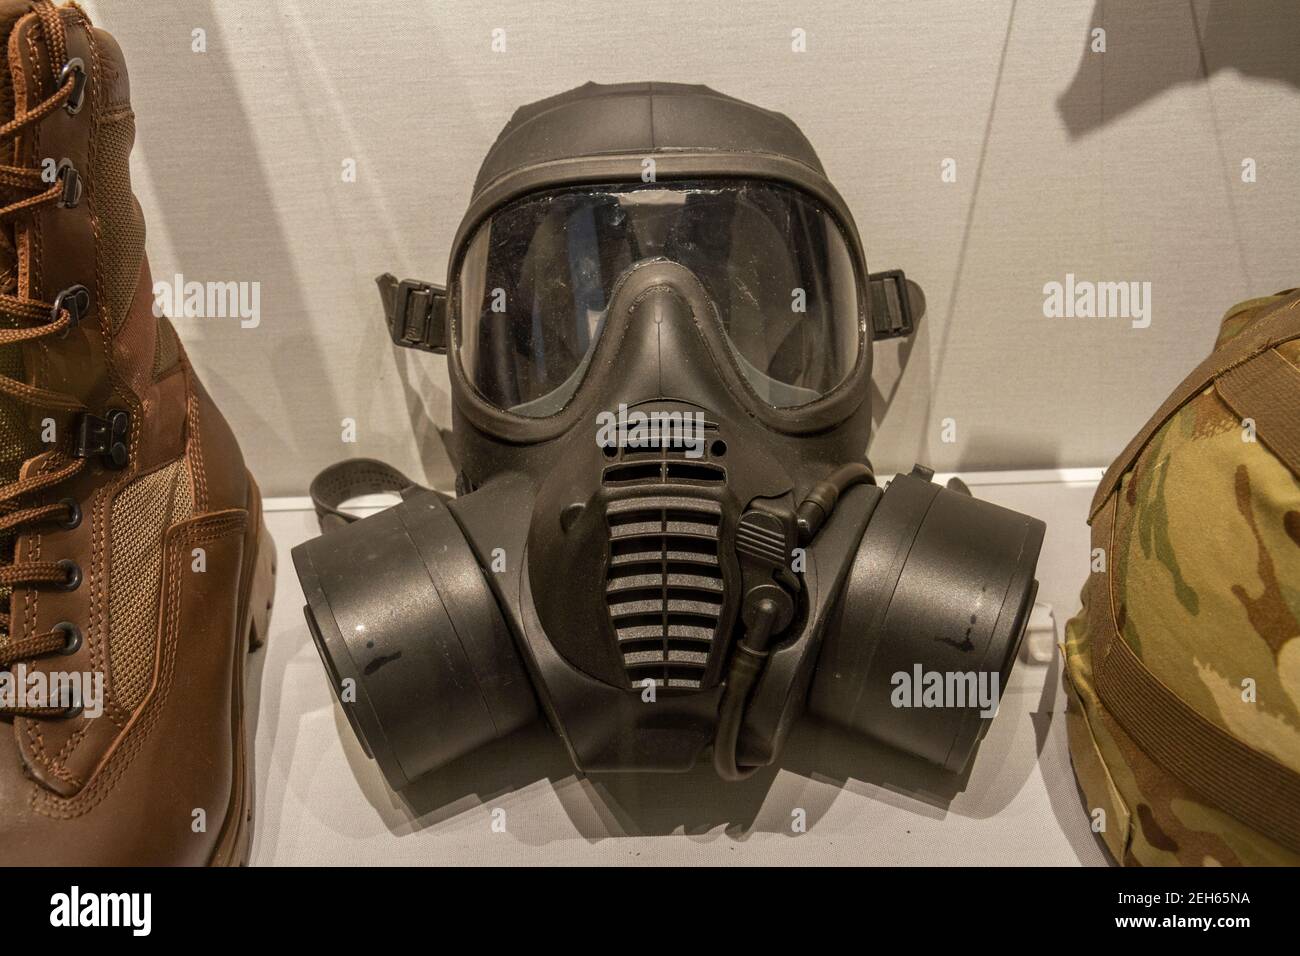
column 535, row 282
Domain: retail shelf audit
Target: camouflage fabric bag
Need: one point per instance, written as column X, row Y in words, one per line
column 1183, row 668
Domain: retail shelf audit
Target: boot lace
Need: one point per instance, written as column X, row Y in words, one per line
column 30, row 320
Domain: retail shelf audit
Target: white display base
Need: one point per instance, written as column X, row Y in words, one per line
column 833, row 799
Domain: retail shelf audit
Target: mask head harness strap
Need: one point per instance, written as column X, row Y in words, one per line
column 415, row 312
column 896, row 302
column 350, row 479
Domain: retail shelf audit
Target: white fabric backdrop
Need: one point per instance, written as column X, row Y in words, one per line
column 1116, row 166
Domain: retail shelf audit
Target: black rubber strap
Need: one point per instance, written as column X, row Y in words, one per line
column 415, row 313
column 896, row 304
column 351, row 479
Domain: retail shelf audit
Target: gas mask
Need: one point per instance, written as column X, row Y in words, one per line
column 666, row 540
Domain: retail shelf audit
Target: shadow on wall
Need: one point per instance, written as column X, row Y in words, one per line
column 891, row 359
column 989, row 446
column 1153, row 47
column 425, row 394
column 229, row 229
column 221, row 145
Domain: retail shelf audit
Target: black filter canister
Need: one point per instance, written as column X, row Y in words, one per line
column 930, row 620
column 412, row 638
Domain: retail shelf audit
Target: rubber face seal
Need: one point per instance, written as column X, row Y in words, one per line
column 940, row 590
column 416, row 650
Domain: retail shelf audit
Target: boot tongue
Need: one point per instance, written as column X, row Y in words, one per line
column 19, row 438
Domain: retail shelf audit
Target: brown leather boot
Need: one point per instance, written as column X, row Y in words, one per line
column 132, row 549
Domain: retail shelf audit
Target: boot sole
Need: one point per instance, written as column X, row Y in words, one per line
column 257, row 588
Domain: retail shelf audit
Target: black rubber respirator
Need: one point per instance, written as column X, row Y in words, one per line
column 666, row 539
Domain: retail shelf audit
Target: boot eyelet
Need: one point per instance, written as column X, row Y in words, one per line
column 71, row 637
column 74, row 514
column 76, row 70
column 73, row 571
column 75, row 300
column 67, row 174
column 71, row 711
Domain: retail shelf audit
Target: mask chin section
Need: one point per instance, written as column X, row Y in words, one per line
column 932, row 615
